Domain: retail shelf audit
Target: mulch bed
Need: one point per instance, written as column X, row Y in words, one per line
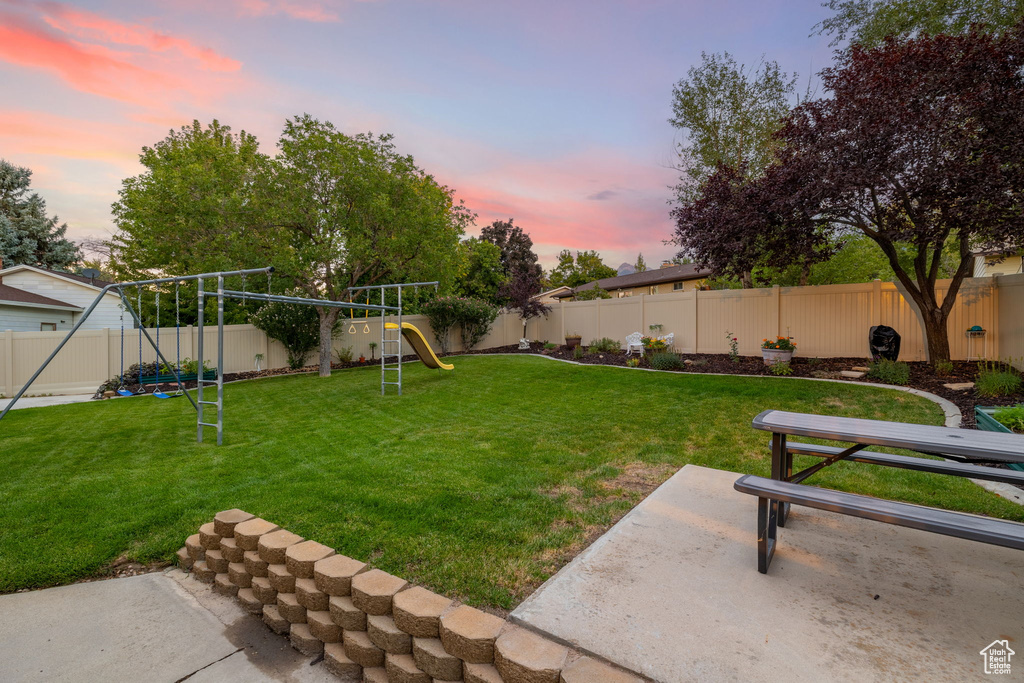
column 922, row 376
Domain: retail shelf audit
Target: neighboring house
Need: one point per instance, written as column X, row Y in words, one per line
column 550, row 296
column 669, row 278
column 36, row 299
column 987, row 264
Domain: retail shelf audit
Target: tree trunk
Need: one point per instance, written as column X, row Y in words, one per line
column 328, row 317
column 936, row 335
column 805, row 272
column 747, row 280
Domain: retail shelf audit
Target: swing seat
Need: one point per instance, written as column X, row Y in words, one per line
column 160, row 394
column 125, row 392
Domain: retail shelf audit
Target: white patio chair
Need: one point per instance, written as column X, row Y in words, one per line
column 633, row 343
column 669, row 339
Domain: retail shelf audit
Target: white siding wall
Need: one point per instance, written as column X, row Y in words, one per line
column 107, row 314
column 24, row 319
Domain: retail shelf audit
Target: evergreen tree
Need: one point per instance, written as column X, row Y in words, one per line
column 27, row 234
column 640, row 265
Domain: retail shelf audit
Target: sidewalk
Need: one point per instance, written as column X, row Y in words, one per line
column 41, row 401
column 163, row 627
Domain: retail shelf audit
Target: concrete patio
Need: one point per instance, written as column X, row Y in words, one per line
column 672, row 592
column 161, row 627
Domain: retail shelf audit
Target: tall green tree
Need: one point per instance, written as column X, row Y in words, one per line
column 728, row 114
column 640, row 266
column 27, row 234
column 348, row 210
column 869, row 22
column 481, row 273
column 580, row 268
column 194, row 208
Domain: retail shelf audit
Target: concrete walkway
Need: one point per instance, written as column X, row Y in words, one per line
column 163, row 627
column 41, row 401
column 672, row 591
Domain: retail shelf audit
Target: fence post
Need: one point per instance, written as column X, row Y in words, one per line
column 599, row 335
column 561, row 308
column 106, row 354
column 876, row 301
column 696, row 332
column 9, row 362
column 777, row 309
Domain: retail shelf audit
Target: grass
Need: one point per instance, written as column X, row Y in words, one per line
column 478, row 484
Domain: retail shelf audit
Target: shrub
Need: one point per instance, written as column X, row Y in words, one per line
column 890, row 371
column 550, row 345
column 344, row 354
column 473, row 317
column 665, row 361
column 475, row 321
column 780, row 368
column 296, row 326
column 944, row 368
column 1011, row 417
column 605, row 345
column 577, row 352
column 996, row 379
column 633, row 362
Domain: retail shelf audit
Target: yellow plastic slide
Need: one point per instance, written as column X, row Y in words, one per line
column 420, row 346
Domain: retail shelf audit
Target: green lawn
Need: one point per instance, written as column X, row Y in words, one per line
column 478, row 483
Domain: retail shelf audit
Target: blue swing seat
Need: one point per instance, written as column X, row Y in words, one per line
column 125, row 392
column 160, row 394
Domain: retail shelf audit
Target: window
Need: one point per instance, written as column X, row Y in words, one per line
column 676, row 286
column 47, row 327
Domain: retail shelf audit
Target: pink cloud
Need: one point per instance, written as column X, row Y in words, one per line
column 296, row 9
column 87, row 25
column 26, row 133
column 91, row 69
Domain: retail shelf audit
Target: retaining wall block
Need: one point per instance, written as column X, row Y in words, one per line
column 247, row 533
column 271, row 546
column 521, row 656
column 418, row 611
column 208, row 538
column 470, row 634
column 387, row 636
column 346, row 615
column 300, row 558
column 224, row 522
column 403, row 669
column 333, row 575
column 373, row 591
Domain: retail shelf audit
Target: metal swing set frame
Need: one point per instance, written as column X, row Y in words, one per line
column 391, row 361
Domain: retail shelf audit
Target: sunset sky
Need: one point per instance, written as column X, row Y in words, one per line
column 554, row 113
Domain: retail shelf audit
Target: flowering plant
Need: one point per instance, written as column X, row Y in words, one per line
column 779, row 344
column 653, row 343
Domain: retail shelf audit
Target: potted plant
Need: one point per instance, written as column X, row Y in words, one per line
column 778, row 350
column 373, row 347
column 572, row 340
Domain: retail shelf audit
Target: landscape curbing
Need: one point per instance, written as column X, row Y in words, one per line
column 357, row 632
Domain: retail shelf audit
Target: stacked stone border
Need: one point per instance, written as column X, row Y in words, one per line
column 367, row 624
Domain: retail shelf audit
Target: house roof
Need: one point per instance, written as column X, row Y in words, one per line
column 551, row 292
column 12, row 296
column 97, row 283
column 687, row 271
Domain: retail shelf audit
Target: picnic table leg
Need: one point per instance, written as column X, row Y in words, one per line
column 782, row 469
column 767, row 532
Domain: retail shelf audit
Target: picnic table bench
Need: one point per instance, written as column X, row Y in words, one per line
column 966, row 447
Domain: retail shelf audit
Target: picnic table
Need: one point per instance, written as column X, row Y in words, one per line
column 972, row 452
